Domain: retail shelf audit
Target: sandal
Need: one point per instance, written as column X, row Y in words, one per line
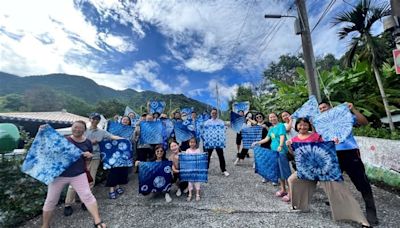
column 197, row 197
column 112, row 195
column 100, row 224
column 286, row 199
column 120, row 191
column 189, row 198
column 280, row 194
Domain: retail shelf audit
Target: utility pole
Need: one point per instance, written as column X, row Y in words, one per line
column 308, row 52
column 217, row 93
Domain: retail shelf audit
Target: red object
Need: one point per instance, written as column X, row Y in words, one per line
column 372, row 148
column 396, row 58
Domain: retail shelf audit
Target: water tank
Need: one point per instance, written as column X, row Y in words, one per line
column 9, row 137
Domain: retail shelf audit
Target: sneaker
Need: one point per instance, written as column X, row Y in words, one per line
column 225, row 173
column 168, row 198
column 68, row 211
column 236, row 161
column 83, row 207
column 264, row 180
column 178, row 193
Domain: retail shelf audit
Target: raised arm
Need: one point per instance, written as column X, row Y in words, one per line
column 361, row 119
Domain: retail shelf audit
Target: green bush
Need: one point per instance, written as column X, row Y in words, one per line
column 21, row 197
column 383, row 133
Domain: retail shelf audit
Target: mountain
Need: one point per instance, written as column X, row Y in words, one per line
column 87, row 90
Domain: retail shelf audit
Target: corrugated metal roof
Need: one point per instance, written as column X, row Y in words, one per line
column 51, row 117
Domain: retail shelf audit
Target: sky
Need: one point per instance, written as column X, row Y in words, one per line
column 167, row 46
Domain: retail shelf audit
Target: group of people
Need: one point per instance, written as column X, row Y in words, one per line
column 277, row 136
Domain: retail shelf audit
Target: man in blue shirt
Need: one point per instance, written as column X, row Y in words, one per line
column 350, row 162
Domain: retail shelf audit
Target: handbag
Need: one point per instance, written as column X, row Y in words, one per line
column 89, row 177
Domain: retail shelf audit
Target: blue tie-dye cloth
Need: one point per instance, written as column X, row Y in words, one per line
column 151, row 132
column 250, row 135
column 334, row 123
column 155, row 177
column 187, row 111
column 241, row 106
column 307, row 110
column 193, row 167
column 156, row 106
column 119, row 129
column 214, row 136
column 116, row 153
column 184, row 130
column 237, row 122
column 317, row 161
column 49, row 156
column 266, row 163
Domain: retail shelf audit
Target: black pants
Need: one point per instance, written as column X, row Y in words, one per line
column 350, row 162
column 243, row 153
column 221, row 158
column 181, row 184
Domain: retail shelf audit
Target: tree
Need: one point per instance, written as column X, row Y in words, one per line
column 357, row 23
column 242, row 94
column 110, row 108
column 327, row 62
column 285, row 69
column 13, row 102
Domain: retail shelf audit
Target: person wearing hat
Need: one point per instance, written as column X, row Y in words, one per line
column 95, row 135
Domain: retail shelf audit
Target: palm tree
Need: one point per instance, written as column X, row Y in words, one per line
column 357, row 23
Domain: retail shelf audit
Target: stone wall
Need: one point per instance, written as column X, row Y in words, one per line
column 381, row 158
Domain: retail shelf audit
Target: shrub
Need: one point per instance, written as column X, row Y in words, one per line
column 369, row 131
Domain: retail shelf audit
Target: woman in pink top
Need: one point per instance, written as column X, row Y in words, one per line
column 193, row 150
column 342, row 203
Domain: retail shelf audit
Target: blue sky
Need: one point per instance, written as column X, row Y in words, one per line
column 165, row 46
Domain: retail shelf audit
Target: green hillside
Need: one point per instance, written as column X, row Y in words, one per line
column 77, row 94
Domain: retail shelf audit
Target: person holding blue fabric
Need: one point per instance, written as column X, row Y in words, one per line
column 277, row 135
column 350, row 162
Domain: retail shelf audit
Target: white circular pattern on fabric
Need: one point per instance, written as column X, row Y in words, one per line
column 122, row 146
column 186, row 122
column 144, row 188
column 114, row 142
column 167, row 169
column 154, row 190
column 159, row 182
column 190, row 127
column 108, row 146
column 154, row 104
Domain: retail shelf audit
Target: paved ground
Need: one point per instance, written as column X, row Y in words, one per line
column 240, row 200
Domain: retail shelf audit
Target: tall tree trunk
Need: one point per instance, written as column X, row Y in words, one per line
column 383, row 95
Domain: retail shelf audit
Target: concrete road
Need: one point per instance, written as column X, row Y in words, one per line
column 240, row 200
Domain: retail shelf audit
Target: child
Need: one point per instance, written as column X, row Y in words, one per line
column 175, row 150
column 159, row 155
column 193, row 150
column 343, row 204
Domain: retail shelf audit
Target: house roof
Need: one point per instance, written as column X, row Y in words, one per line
column 62, row 117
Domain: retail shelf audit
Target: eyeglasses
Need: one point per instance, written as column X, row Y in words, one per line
column 259, row 117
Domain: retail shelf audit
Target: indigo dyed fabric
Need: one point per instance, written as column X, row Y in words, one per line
column 155, row 177
column 317, row 161
column 214, row 136
column 49, row 156
column 193, row 167
column 250, row 135
column 116, row 153
column 241, row 106
column 307, row 110
column 156, row 106
column 151, row 132
column 334, row 123
column 184, row 130
column 237, row 121
column 266, row 163
column 187, row 111
column 119, row 129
